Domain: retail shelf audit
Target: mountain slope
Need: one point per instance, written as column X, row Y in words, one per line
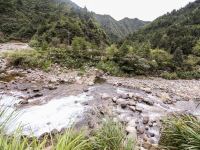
column 179, row 29
column 47, row 20
column 118, row 30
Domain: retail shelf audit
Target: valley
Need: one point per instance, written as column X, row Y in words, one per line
column 72, row 79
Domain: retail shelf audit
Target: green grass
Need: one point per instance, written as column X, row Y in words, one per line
column 111, row 136
column 181, row 133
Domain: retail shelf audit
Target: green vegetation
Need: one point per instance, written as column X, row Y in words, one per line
column 118, row 30
column 47, row 21
column 181, row 133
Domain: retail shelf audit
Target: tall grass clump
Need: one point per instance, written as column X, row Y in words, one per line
column 112, row 136
column 73, row 140
column 181, row 132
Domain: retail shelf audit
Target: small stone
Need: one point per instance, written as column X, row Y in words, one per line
column 124, row 96
column 36, row 90
column 132, row 108
column 23, row 102
column 138, row 109
column 145, row 120
column 146, row 145
column 91, row 124
column 140, row 130
column 85, row 90
column 36, row 95
column 51, row 87
column 132, row 103
column 114, row 99
column 85, row 103
column 105, row 96
column 123, row 105
column 148, row 102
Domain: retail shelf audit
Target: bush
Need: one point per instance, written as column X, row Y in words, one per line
column 181, row 133
column 109, row 67
column 169, row 76
column 28, row 59
column 80, row 44
column 34, row 43
column 189, row 75
column 162, row 57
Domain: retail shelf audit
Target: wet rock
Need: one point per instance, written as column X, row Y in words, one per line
column 131, row 95
column 114, row 99
column 35, row 89
column 121, row 101
column 132, row 108
column 123, row 105
column 132, row 103
column 145, row 120
column 105, row 96
column 140, row 130
column 54, row 132
column 23, row 102
column 148, row 102
column 124, row 96
column 85, row 90
column 36, row 95
column 85, row 103
column 150, row 134
column 138, row 109
column 52, row 87
column 2, row 76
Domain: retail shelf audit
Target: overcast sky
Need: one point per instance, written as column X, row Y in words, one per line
column 146, row 10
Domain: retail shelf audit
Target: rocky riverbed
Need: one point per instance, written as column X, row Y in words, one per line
column 53, row 101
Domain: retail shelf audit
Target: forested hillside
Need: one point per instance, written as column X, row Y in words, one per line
column 178, row 29
column 47, row 21
column 118, row 30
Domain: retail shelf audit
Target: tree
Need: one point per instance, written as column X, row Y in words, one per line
column 162, row 57
column 178, row 57
column 196, row 49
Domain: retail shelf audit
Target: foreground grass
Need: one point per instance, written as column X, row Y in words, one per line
column 110, row 136
column 181, row 133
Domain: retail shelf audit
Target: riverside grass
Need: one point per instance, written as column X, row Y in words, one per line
column 111, row 136
column 181, row 132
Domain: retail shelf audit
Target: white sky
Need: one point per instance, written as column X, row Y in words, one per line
column 146, row 10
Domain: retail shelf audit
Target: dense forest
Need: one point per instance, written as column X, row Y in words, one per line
column 47, row 21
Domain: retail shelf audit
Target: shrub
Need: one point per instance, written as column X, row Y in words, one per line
column 80, row 44
column 34, row 43
column 169, row 76
column 189, row 75
column 181, row 133
column 28, row 59
column 196, row 49
column 162, row 57
column 109, row 67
